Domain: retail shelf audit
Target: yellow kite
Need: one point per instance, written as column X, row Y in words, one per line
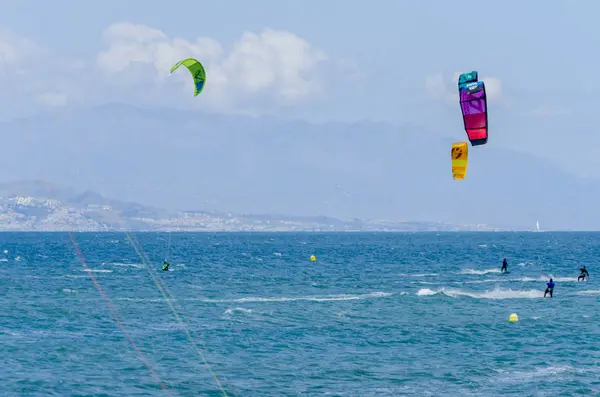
column 460, row 157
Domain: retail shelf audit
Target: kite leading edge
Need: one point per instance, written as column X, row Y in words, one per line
column 197, row 71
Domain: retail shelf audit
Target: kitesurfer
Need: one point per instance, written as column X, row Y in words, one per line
column 504, row 266
column 583, row 274
column 165, row 266
column 550, row 288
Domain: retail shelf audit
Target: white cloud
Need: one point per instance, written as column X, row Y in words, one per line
column 273, row 65
column 52, row 99
column 13, row 50
column 493, row 87
column 438, row 89
column 140, row 33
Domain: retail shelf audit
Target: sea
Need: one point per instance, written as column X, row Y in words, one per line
column 249, row 314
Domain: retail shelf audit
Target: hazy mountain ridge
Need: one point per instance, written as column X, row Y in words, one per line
column 181, row 159
column 90, row 211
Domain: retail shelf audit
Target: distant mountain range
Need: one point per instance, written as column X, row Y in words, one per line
column 181, row 160
column 39, row 206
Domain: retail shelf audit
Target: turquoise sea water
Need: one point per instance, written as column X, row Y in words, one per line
column 421, row 314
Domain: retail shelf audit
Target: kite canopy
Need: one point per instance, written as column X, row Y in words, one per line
column 197, row 71
column 473, row 103
column 467, row 78
column 460, row 158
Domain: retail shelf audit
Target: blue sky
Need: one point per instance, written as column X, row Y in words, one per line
column 320, row 60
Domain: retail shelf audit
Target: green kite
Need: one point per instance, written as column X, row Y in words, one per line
column 197, row 71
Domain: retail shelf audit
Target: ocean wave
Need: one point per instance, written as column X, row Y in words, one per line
column 136, row 265
column 493, row 294
column 490, row 280
column 589, row 292
column 418, row 274
column 256, row 299
column 479, row 272
column 549, row 372
column 559, row 279
column 327, row 298
column 238, row 310
column 144, row 299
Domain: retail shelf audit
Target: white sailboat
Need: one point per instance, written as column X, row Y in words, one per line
column 537, row 226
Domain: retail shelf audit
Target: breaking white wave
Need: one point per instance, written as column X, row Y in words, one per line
column 136, row 265
column 238, row 310
column 589, row 292
column 559, row 279
column 545, row 373
column 327, row 298
column 476, row 271
column 418, row 274
column 484, row 281
column 494, row 294
column 145, row 299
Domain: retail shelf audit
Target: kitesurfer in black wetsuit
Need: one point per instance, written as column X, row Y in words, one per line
column 165, row 266
column 504, row 266
column 583, row 274
column 550, row 288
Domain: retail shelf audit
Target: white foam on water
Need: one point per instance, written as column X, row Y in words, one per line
column 540, row 373
column 136, row 265
column 589, row 292
column 238, row 310
column 476, row 271
column 484, row 281
column 327, row 298
column 426, row 292
column 144, row 299
column 497, row 293
column 559, row 279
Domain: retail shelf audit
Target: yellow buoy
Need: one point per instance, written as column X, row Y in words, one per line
column 313, row 258
column 513, row 318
